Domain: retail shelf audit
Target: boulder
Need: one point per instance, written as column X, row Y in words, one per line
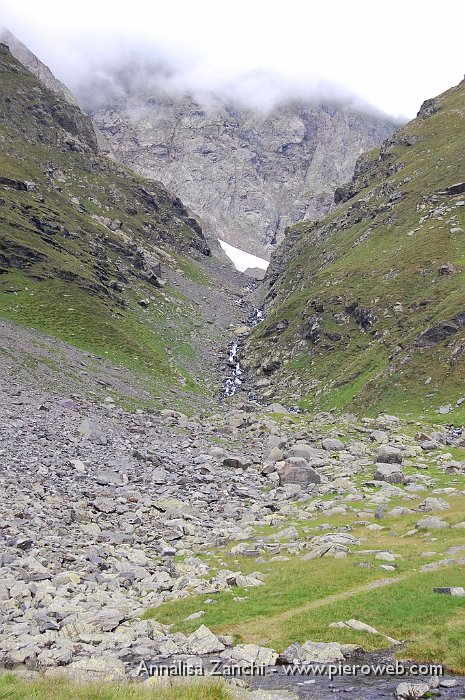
column 333, row 445
column 379, row 436
column 389, row 455
column 305, row 451
column 107, row 619
column 362, row 627
column 90, row 430
column 411, row 691
column 275, row 454
column 385, row 556
column 203, row 641
column 391, row 473
column 297, row 471
column 277, row 408
column 107, row 668
column 457, row 591
column 431, row 505
column 109, row 478
column 105, row 505
column 431, row 523
column 251, row 654
column 327, row 652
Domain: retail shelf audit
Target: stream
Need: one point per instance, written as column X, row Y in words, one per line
column 235, row 380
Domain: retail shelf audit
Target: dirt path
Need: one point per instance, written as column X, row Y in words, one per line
column 275, row 620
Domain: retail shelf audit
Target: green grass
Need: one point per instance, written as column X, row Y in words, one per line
column 408, row 611
column 14, row 688
column 193, row 271
column 299, row 599
column 287, row 585
column 363, row 252
column 74, row 278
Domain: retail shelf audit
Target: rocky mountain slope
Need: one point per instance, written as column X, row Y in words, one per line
column 100, row 257
column 247, row 173
column 366, row 309
column 35, row 65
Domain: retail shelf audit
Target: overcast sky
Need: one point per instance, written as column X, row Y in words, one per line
column 393, row 54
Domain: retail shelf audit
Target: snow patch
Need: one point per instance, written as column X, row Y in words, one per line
column 242, row 260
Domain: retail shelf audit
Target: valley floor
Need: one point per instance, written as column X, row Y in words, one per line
column 150, row 535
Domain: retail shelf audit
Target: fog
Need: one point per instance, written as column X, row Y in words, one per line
column 390, row 55
column 144, row 71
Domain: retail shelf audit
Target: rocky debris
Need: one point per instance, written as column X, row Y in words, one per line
column 362, row 627
column 412, row 691
column 98, row 502
column 389, row 455
column 318, row 652
column 391, row 473
column 458, row 591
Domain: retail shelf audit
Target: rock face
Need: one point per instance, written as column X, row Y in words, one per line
column 78, row 227
column 247, row 174
column 359, row 290
column 37, row 68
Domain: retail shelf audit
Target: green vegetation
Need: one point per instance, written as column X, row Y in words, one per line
column 381, row 251
column 15, row 688
column 66, row 271
column 300, row 599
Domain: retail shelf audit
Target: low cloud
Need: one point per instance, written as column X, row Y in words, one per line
column 390, row 55
column 141, row 72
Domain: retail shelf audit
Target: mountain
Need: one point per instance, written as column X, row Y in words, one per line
column 366, row 309
column 39, row 69
column 97, row 256
column 247, row 173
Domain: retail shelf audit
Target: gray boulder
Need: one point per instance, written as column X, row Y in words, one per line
column 251, row 654
column 203, row 641
column 305, row 451
column 297, row 471
column 411, row 691
column 389, row 455
column 333, row 445
column 431, row 505
column 431, row 523
column 391, row 473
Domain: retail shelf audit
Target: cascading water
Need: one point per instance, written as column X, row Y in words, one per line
column 233, row 382
column 255, row 318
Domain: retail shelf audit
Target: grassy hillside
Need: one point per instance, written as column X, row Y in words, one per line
column 90, row 252
column 366, row 309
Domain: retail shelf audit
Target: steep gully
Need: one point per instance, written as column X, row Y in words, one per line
column 235, row 379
